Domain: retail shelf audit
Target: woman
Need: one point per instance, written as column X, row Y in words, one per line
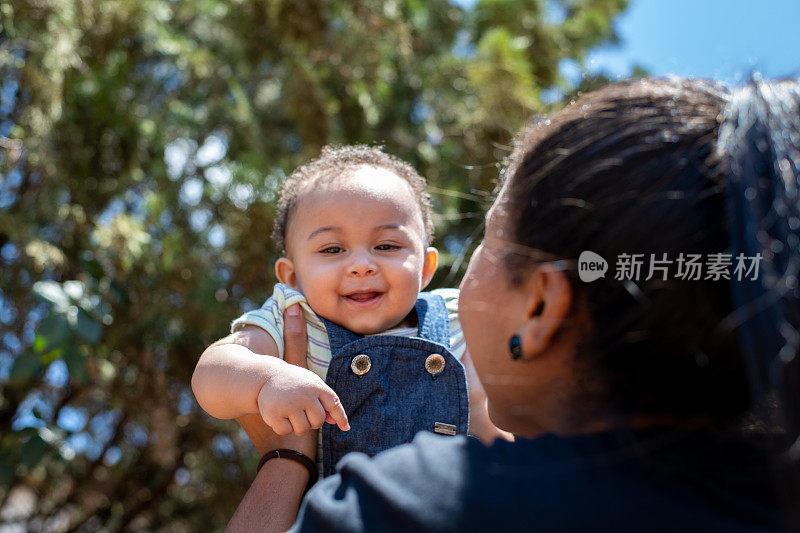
column 629, row 394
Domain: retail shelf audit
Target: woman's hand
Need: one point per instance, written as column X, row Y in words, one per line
column 480, row 425
column 273, row 499
column 265, row 438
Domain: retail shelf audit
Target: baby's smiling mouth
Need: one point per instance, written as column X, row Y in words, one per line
column 363, row 298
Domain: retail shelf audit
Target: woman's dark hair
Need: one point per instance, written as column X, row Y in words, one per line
column 337, row 161
column 663, row 168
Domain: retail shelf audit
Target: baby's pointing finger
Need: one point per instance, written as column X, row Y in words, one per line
column 334, row 409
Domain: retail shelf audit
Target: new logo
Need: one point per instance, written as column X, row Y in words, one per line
column 591, row 266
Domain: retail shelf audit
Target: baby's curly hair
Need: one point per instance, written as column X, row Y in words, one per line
column 334, row 161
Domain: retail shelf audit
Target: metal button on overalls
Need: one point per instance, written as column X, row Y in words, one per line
column 360, row 364
column 385, row 386
column 434, row 364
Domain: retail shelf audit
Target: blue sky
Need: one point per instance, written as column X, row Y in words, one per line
column 721, row 39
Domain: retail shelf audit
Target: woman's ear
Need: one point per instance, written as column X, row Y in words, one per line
column 547, row 309
column 429, row 265
column 284, row 271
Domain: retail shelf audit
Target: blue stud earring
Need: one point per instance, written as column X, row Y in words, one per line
column 515, row 347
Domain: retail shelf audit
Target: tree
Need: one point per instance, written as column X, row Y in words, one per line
column 142, row 145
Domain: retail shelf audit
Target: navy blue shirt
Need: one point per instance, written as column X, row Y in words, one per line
column 653, row 480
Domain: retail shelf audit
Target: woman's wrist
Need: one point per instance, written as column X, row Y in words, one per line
column 299, row 458
column 273, row 499
column 305, row 444
column 267, row 440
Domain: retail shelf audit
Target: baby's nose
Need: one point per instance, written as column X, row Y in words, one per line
column 362, row 265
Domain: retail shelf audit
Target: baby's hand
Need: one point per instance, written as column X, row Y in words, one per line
column 297, row 400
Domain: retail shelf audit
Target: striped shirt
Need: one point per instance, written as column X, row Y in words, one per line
column 270, row 318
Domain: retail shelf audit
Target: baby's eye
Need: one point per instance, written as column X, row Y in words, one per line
column 332, row 250
column 387, row 247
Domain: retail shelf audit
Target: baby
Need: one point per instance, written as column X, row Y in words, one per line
column 355, row 225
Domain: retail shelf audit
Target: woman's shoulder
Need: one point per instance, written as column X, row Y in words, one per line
column 417, row 486
column 621, row 481
column 434, row 483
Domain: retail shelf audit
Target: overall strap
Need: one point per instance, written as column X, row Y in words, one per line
column 434, row 322
column 339, row 336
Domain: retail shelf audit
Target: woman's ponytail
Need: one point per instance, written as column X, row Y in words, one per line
column 759, row 140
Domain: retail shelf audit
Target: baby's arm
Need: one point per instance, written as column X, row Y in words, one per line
column 231, row 372
column 236, row 377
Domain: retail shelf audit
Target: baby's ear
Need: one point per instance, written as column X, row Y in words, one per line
column 284, row 271
column 429, row 265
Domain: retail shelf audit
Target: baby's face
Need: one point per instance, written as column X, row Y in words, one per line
column 356, row 249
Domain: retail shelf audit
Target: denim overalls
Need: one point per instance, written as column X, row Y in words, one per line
column 392, row 387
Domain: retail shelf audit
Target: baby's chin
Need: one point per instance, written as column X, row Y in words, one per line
column 370, row 325
column 367, row 329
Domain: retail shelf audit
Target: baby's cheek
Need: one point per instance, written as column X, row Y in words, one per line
column 322, row 304
column 412, row 263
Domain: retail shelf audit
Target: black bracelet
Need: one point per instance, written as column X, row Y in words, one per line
column 303, row 459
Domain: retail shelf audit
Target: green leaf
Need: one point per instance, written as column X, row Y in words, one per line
column 33, row 451
column 76, row 364
column 52, row 332
column 89, row 329
column 26, row 367
column 94, row 268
